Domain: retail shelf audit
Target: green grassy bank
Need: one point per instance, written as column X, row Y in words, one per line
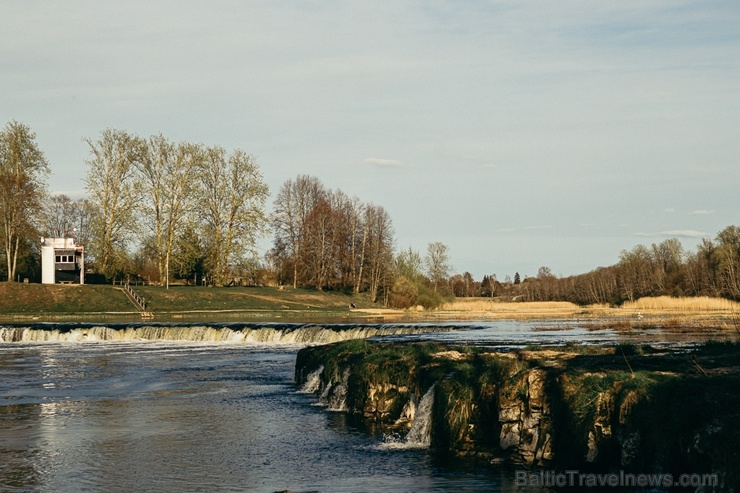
column 42, row 301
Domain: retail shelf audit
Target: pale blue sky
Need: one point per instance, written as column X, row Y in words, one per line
column 518, row 133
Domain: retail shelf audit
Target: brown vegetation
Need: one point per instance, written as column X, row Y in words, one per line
column 699, row 303
column 676, row 309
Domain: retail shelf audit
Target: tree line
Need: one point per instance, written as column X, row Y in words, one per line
column 191, row 209
column 327, row 240
column 659, row 269
column 158, row 210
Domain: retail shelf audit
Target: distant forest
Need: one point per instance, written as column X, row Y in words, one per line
column 159, row 211
column 659, row 269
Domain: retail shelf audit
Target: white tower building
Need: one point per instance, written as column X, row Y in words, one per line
column 62, row 261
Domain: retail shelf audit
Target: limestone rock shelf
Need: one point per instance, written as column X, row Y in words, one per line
column 624, row 408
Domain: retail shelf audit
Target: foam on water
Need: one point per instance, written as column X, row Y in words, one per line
column 420, row 434
column 268, row 334
column 313, row 381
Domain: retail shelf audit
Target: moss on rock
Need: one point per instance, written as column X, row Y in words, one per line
column 629, row 408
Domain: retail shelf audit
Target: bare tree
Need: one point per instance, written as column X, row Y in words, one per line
column 111, row 183
column 346, row 219
column 58, row 220
column 293, row 204
column 63, row 217
column 231, row 207
column 167, row 173
column 23, row 169
column 317, row 245
column 357, row 239
column 379, row 251
column 438, row 263
column 727, row 257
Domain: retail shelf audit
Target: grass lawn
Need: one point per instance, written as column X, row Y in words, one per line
column 198, row 298
column 18, row 298
column 23, row 300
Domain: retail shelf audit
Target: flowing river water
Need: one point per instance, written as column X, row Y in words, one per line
column 174, row 408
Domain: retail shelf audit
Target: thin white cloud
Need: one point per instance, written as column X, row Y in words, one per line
column 677, row 233
column 701, row 212
column 669, row 209
column 684, row 233
column 383, row 163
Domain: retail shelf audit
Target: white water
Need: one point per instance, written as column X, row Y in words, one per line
column 334, row 394
column 324, row 397
column 313, row 381
column 420, row 434
column 243, row 333
column 337, row 399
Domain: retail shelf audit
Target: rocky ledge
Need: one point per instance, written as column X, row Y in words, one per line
column 626, row 408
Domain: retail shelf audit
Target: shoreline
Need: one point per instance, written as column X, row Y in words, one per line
column 614, row 317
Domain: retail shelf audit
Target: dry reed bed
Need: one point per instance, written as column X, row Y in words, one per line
column 699, row 303
column 679, row 309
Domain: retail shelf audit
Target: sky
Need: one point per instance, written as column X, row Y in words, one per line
column 520, row 134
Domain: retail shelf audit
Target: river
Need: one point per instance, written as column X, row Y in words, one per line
column 85, row 412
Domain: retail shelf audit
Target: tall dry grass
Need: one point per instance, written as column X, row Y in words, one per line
column 487, row 305
column 693, row 304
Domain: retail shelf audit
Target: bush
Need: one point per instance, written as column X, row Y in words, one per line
column 403, row 293
column 429, row 299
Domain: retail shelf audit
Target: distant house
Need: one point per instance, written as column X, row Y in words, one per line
column 62, row 261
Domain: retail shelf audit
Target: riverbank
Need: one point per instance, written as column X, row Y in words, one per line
column 20, row 302
column 40, row 302
column 627, row 408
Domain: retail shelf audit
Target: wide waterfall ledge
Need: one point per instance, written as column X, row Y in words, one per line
column 260, row 333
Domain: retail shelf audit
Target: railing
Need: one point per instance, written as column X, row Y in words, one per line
column 137, row 300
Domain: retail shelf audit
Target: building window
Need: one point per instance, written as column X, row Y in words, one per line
column 65, row 259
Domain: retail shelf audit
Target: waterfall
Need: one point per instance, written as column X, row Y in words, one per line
column 334, row 395
column 313, row 381
column 420, row 434
column 255, row 333
column 324, row 397
column 338, row 395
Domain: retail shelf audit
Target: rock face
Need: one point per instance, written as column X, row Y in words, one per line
column 526, row 419
column 625, row 409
